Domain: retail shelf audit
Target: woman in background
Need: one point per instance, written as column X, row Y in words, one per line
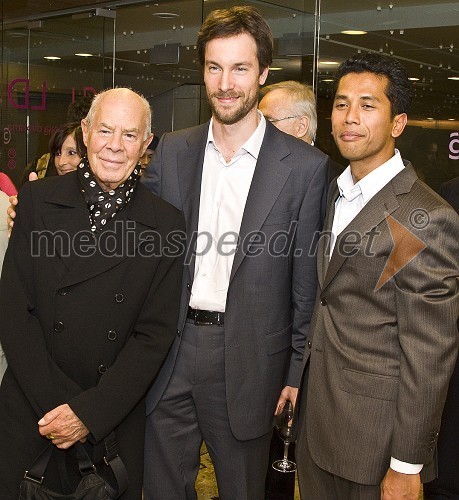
column 66, row 148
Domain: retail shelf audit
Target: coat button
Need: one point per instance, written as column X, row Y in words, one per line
column 309, row 344
column 323, row 301
column 179, row 333
column 58, row 326
column 101, row 369
column 188, row 286
column 112, row 335
column 119, row 297
column 63, row 291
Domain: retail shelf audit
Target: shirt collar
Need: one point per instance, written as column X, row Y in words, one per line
column 253, row 143
column 372, row 182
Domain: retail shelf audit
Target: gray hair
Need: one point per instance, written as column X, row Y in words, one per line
column 96, row 103
column 303, row 100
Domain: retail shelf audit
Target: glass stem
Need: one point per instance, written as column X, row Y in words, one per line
column 286, row 443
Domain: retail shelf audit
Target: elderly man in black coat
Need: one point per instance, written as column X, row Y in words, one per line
column 89, row 301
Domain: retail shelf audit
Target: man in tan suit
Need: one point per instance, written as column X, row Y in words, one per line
column 383, row 338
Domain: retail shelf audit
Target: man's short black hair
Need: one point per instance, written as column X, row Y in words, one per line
column 398, row 90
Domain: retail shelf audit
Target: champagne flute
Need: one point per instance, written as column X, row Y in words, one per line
column 284, row 430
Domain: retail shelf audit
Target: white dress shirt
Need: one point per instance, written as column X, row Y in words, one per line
column 353, row 197
column 224, row 190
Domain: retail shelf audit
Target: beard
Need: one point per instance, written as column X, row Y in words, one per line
column 233, row 115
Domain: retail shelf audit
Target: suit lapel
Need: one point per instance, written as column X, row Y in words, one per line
column 268, row 180
column 375, row 211
column 323, row 248
column 189, row 165
column 67, row 215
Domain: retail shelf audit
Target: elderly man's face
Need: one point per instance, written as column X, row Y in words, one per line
column 276, row 107
column 116, row 138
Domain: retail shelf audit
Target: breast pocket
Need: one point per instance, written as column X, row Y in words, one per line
column 274, row 219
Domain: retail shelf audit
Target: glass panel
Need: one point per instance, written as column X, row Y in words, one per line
column 424, row 39
column 43, row 74
column 156, row 55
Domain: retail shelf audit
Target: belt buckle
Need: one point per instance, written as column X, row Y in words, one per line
column 200, row 313
column 199, row 322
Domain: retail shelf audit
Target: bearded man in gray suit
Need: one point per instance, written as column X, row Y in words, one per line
column 383, row 335
column 254, row 196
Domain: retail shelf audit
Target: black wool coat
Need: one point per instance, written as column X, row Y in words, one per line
column 83, row 323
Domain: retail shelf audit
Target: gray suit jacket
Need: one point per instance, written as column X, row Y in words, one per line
column 383, row 352
column 273, row 280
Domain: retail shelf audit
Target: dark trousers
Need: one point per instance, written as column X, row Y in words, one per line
column 192, row 409
column 446, row 486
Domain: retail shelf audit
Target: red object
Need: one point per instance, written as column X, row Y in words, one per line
column 6, row 185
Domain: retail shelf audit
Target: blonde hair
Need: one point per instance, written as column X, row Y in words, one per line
column 303, row 100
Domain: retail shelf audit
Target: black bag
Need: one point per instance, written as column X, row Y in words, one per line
column 91, row 487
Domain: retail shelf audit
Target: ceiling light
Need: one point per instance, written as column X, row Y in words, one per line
column 451, row 119
column 82, row 54
column 52, row 58
column 275, row 69
column 327, row 80
column 413, row 79
column 354, row 32
column 329, row 63
column 165, row 15
column 453, row 77
column 430, row 119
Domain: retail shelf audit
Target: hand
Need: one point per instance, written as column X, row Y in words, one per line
column 63, row 427
column 11, row 213
column 288, row 393
column 398, row 486
column 13, row 202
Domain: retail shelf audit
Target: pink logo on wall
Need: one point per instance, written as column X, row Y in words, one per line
column 454, row 146
column 11, row 87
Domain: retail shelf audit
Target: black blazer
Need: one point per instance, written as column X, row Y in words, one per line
column 83, row 324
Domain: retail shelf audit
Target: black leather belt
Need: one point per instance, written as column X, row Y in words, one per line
column 202, row 317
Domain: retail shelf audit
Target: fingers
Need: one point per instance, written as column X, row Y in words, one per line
column 288, row 393
column 13, row 199
column 280, row 404
column 62, row 426
column 33, row 176
column 50, row 416
column 11, row 213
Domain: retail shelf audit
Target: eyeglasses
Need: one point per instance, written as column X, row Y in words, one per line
column 274, row 120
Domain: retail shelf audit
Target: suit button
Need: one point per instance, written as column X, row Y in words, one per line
column 309, row 344
column 58, row 326
column 119, row 297
column 323, row 301
column 101, row 369
column 188, row 286
column 63, row 291
column 179, row 332
column 112, row 335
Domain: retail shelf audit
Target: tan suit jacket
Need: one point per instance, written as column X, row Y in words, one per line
column 382, row 352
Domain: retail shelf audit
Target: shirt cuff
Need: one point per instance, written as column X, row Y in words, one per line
column 405, row 467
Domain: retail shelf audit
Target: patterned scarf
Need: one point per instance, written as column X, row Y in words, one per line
column 103, row 205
